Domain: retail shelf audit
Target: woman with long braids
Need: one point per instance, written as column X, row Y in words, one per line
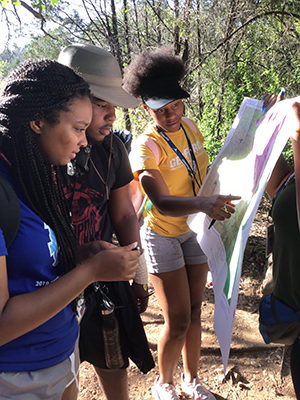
column 171, row 163
column 44, row 111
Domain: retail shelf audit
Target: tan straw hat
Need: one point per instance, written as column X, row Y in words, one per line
column 102, row 72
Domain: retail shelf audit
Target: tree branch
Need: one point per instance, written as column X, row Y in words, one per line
column 32, row 11
column 159, row 17
column 255, row 18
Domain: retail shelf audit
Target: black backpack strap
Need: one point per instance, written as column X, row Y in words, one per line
column 125, row 136
column 10, row 211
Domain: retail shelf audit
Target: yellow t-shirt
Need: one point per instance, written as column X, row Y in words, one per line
column 163, row 158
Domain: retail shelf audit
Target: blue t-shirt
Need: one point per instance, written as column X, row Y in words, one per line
column 32, row 262
column 3, row 251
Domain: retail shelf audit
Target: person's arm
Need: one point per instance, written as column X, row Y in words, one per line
column 137, row 197
column 295, row 138
column 279, row 174
column 281, row 170
column 22, row 313
column 123, row 217
column 4, row 295
column 127, row 230
column 176, row 206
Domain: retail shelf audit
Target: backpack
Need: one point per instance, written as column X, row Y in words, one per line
column 125, row 136
column 278, row 323
column 10, row 211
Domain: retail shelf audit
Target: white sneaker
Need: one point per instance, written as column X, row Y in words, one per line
column 165, row 391
column 196, row 390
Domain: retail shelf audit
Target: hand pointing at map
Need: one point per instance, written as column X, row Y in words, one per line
column 219, row 207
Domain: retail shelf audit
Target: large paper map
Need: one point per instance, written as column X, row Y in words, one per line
column 242, row 168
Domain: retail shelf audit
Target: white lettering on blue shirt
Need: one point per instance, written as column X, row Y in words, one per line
column 52, row 245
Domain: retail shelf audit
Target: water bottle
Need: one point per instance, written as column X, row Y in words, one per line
column 110, row 329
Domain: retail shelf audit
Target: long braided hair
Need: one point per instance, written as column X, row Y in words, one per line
column 35, row 90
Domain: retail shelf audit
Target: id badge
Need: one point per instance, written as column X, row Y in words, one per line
column 80, row 307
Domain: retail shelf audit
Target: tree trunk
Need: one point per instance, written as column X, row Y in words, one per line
column 137, row 26
column 176, row 28
column 158, row 12
column 229, row 29
column 146, row 25
column 199, row 55
column 126, row 28
column 118, row 55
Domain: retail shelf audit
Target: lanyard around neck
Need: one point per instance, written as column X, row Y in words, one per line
column 191, row 172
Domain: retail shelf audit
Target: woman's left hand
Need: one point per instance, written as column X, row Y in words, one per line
column 271, row 99
column 88, row 250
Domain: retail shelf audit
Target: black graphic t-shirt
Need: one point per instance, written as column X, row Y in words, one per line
column 86, row 193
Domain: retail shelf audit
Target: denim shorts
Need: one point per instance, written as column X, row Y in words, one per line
column 47, row 383
column 165, row 254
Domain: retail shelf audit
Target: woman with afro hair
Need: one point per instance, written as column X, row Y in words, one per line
column 171, row 163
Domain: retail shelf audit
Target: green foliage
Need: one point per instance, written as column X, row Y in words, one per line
column 5, row 68
column 139, row 120
column 258, row 57
column 44, row 47
column 251, row 65
column 9, row 59
column 14, row 2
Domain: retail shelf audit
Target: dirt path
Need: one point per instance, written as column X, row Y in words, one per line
column 254, row 369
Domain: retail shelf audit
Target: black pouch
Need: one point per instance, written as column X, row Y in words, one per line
column 278, row 323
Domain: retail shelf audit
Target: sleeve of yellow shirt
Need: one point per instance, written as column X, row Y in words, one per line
column 141, row 157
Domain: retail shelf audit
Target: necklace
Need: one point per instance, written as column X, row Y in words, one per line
column 108, row 168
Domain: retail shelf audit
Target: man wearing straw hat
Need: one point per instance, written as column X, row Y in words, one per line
column 96, row 186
